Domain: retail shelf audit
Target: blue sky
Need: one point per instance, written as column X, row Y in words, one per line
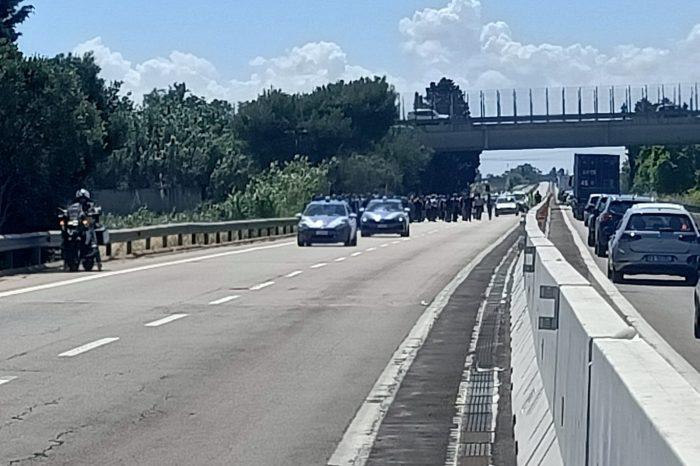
column 232, row 49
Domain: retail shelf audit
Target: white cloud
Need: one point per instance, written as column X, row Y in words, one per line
column 456, row 41
column 441, row 35
column 299, row 69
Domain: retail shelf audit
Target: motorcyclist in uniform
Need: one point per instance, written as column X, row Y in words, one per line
column 89, row 208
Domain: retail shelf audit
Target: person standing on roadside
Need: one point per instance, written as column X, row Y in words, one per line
column 456, row 202
column 478, row 206
column 467, row 208
column 489, row 205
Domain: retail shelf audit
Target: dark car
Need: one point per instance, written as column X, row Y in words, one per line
column 327, row 221
column 384, row 216
column 590, row 205
column 593, row 217
column 609, row 219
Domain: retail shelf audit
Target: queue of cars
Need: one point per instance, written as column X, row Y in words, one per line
column 642, row 237
column 331, row 221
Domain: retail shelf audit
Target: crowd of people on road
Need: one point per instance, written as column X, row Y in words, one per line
column 434, row 207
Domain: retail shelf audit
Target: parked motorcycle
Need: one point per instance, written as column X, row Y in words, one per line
column 80, row 242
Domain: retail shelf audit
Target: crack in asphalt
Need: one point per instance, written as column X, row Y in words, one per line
column 18, row 355
column 43, row 454
column 27, row 411
column 153, row 411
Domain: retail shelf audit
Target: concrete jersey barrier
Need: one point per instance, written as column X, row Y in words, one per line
column 612, row 399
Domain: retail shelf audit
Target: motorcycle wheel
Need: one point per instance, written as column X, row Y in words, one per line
column 88, row 264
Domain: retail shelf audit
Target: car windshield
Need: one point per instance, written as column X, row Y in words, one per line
column 676, row 223
column 505, row 200
column 384, row 206
column 520, row 196
column 322, row 209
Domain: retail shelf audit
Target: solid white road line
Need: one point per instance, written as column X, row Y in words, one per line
column 356, row 254
column 85, row 348
column 261, row 286
column 296, row 273
column 4, row 380
column 318, row 266
column 632, row 315
column 224, row 300
column 357, row 441
column 166, row 320
column 103, row 275
column 341, row 259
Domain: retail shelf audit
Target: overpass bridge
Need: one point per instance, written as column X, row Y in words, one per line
column 578, row 117
column 489, row 133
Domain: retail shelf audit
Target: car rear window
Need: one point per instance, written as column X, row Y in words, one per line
column 593, row 200
column 620, row 207
column 660, row 222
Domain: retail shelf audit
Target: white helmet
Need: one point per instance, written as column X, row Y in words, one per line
column 82, row 193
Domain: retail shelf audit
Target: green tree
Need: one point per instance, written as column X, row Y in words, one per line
column 280, row 191
column 447, row 98
column 11, row 16
column 51, row 133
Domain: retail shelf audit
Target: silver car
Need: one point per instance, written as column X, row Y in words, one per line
column 655, row 239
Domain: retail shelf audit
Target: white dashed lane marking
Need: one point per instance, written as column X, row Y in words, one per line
column 296, row 273
column 224, row 300
column 7, row 379
column 385, row 245
column 341, row 259
column 87, row 347
column 166, row 320
column 318, row 266
column 355, row 254
column 395, row 242
column 261, row 286
column 371, row 249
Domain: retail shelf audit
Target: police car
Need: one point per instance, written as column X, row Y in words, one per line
column 327, row 221
column 386, row 216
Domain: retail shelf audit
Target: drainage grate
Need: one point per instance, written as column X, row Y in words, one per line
column 479, row 406
column 476, row 449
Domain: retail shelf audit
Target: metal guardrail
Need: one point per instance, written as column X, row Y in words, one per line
column 32, row 245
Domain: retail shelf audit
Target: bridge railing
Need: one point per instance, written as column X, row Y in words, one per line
column 601, row 101
column 36, row 248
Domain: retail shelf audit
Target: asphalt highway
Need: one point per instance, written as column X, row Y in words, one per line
column 250, row 355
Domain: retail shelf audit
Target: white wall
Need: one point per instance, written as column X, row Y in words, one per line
column 643, row 412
